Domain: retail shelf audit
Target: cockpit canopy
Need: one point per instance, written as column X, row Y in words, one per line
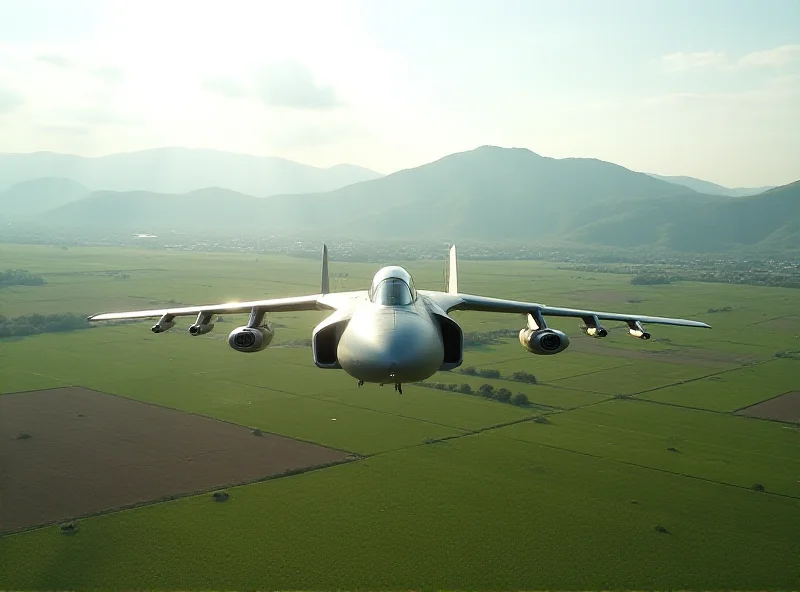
column 392, row 286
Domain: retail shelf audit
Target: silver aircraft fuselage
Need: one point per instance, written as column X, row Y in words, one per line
column 397, row 343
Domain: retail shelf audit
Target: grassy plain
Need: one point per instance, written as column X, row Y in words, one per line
column 570, row 504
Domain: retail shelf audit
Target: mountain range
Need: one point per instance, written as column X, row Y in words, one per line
column 180, row 170
column 712, row 188
column 487, row 194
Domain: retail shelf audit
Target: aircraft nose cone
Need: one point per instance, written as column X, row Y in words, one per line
column 406, row 350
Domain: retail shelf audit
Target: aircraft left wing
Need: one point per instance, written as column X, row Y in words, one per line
column 257, row 308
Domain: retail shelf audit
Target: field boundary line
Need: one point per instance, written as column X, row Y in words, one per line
column 772, row 319
column 586, row 373
column 691, row 440
column 179, row 496
column 764, row 401
column 677, row 405
column 204, row 416
column 688, row 380
column 55, row 388
column 401, row 416
column 454, row 437
column 632, row 464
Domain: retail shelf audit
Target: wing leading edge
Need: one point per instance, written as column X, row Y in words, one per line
column 486, row 304
column 453, row 300
column 322, row 301
column 297, row 303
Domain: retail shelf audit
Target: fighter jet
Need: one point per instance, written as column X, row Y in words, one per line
column 392, row 333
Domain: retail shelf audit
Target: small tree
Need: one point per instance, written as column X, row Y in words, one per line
column 489, row 373
column 520, row 399
column 466, row 389
column 70, row 527
column 220, row 496
column 470, row 370
column 523, row 376
column 486, row 390
column 503, row 395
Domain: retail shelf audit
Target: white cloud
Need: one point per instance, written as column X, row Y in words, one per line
column 109, row 74
column 776, row 57
column 65, row 130
column 697, row 60
column 9, row 100
column 290, row 84
column 779, row 90
column 224, row 86
column 59, row 61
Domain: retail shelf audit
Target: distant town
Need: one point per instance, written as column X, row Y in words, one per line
column 645, row 264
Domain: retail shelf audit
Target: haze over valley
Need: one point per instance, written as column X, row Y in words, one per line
column 487, row 194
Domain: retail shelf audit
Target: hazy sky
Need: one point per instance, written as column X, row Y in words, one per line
column 706, row 88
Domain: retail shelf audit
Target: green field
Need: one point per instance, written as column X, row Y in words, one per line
column 639, row 434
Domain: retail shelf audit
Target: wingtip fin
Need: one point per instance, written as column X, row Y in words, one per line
column 326, row 282
column 452, row 276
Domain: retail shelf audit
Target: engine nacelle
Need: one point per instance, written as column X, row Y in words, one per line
column 250, row 339
column 201, row 329
column 593, row 328
column 165, row 323
column 635, row 329
column 543, row 342
column 202, row 325
column 595, row 331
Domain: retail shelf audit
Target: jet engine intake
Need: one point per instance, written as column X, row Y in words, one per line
column 543, row 342
column 250, row 339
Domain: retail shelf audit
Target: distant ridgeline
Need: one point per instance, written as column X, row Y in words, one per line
column 486, row 195
column 19, row 277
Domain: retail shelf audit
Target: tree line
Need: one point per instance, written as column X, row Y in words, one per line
column 519, row 376
column 649, row 280
column 19, row 277
column 34, row 324
column 502, row 395
column 488, row 337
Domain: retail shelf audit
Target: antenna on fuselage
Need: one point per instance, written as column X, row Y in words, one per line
column 326, row 282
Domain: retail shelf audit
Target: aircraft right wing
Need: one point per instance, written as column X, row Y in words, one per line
column 454, row 300
column 487, row 304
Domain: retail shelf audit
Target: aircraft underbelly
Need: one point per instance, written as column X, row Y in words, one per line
column 391, row 344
